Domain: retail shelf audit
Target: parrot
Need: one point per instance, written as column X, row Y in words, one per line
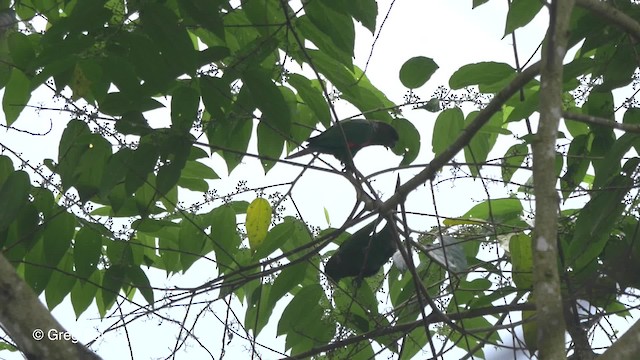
column 362, row 254
column 358, row 134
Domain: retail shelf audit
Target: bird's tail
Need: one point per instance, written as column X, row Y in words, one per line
column 300, row 153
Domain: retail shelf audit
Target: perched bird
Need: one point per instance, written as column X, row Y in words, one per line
column 358, row 134
column 363, row 254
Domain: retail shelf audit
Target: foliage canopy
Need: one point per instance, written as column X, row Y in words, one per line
column 233, row 77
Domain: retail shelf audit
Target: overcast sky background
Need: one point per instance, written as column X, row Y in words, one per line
column 450, row 32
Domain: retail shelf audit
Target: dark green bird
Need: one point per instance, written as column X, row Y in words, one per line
column 363, row 254
column 358, row 133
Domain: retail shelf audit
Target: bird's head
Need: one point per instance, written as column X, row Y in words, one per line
column 332, row 269
column 385, row 134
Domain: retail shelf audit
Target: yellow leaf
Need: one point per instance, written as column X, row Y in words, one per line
column 258, row 221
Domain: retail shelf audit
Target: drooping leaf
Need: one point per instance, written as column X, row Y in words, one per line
column 258, row 221
column 409, row 140
column 58, row 233
column 577, row 165
column 335, row 23
column 140, row 281
column 86, row 251
column 521, row 12
column 596, row 220
column 184, row 108
column 112, row 282
column 312, row 96
column 192, row 241
column 448, row 127
column 364, row 11
column 16, row 95
column 224, row 237
column 522, row 260
column 84, row 292
column 61, row 283
column 512, row 159
column 164, row 27
column 14, row 193
column 268, row 98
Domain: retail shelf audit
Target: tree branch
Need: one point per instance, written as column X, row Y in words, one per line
column 30, row 324
column 595, row 120
column 612, row 15
column 465, row 137
column 548, row 299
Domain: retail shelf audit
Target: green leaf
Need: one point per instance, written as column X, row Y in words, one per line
column 184, row 108
column 22, row 234
column 168, row 177
column 596, row 221
column 409, row 143
column 145, row 56
column 484, row 73
column 276, row 238
column 289, row 278
column 140, row 165
column 6, row 168
column 16, row 95
column 618, row 67
column 87, row 251
column 364, row 11
column 521, row 12
column 119, row 103
column 112, row 282
column 58, row 232
column 610, row 165
column 36, row 273
column 259, row 309
column 522, row 260
column 164, row 27
column 61, row 283
column 205, row 14
column 335, row 23
column 268, row 98
column 83, row 293
column 198, row 170
column 89, row 171
column 527, row 107
column 119, row 252
column 14, row 193
column 312, row 96
column 21, row 49
column 298, row 316
column 478, row 149
column 323, row 41
column 216, row 96
column 224, row 237
column 191, row 241
column 416, row 71
column 270, row 144
column 448, row 127
column 577, row 165
column 512, row 159
column 139, row 280
column 495, row 210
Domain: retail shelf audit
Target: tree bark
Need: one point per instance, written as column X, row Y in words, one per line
column 30, row 324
